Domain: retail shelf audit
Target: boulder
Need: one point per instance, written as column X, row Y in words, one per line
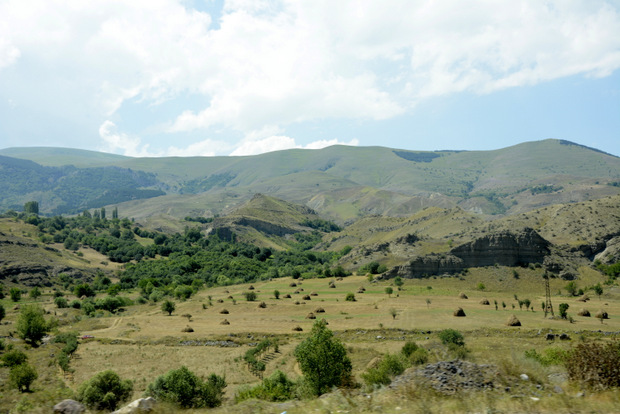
column 139, row 406
column 69, row 407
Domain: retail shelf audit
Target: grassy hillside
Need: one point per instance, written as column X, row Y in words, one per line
column 348, row 182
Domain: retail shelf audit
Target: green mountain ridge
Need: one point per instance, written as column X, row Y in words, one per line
column 345, row 183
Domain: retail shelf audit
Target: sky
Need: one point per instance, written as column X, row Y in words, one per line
column 242, row 77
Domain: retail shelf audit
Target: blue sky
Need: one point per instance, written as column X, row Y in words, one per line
column 241, row 77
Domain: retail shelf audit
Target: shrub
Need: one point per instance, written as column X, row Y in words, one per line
column 15, row 294
column 277, row 387
column 31, row 325
column 183, row 388
column 168, row 306
column 350, row 297
column 250, row 296
column 2, row 312
column 550, row 356
column 409, row 348
column 390, row 366
column 13, row 358
column 323, row 360
column 451, row 337
column 75, row 304
column 563, row 309
column 418, row 357
column 104, row 391
column 596, row 365
column 61, row 303
column 22, row 376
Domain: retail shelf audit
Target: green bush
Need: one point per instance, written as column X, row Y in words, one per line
column 390, row 366
column 418, row 357
column 596, row 365
column 22, row 376
column 183, row 388
column 61, row 303
column 323, row 360
column 550, row 356
column 409, row 348
column 31, row 325
column 13, row 358
column 350, row 297
column 250, row 296
column 105, row 391
column 277, row 387
column 451, row 337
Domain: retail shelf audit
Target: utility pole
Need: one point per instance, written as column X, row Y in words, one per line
column 548, row 305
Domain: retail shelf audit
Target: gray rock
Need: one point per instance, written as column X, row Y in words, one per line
column 141, row 405
column 69, row 407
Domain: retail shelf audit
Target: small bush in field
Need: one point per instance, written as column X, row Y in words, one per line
column 183, row 388
column 350, row 297
column 596, row 365
column 277, row 387
column 22, row 376
column 451, row 337
column 389, row 367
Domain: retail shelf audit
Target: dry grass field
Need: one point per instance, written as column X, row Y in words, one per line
column 142, row 342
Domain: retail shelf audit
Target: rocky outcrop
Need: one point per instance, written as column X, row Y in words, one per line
column 142, row 405
column 69, row 407
column 504, row 248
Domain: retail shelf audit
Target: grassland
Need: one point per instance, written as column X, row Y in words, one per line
column 143, row 342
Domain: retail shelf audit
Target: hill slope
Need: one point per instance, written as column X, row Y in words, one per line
column 345, row 183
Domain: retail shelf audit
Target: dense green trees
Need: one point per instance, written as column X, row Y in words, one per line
column 323, row 360
column 22, row 376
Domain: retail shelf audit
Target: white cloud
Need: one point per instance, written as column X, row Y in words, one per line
column 116, row 141
column 275, row 63
column 281, row 142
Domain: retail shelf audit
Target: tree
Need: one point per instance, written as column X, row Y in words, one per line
column 182, row 387
column 598, row 289
column 393, row 312
column 34, row 293
column 323, row 360
column 168, row 306
column 2, row 312
column 389, row 291
column 105, row 391
column 83, row 289
column 31, row 207
column 398, row 281
column 115, row 213
column 563, row 309
column 103, row 213
column 276, row 294
column 571, row 288
column 31, row 325
column 15, row 294
column 250, row 296
column 527, row 303
column 428, row 303
column 350, row 297
column 22, row 376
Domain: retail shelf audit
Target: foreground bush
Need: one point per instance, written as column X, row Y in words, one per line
column 277, row 387
column 105, row 391
column 183, row 388
column 594, row 364
column 323, row 360
column 22, row 376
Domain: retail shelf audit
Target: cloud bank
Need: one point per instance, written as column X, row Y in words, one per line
column 266, row 65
